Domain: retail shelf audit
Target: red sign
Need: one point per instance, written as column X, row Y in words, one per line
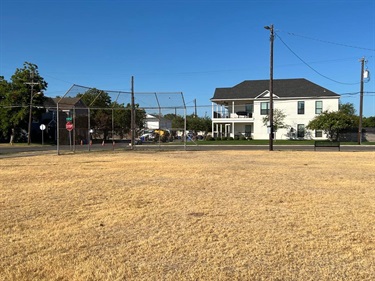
column 69, row 126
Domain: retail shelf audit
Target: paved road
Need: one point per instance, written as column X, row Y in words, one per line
column 284, row 147
column 14, row 151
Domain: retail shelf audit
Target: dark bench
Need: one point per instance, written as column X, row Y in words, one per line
column 327, row 144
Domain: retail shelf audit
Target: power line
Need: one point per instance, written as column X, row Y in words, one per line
column 356, row 93
column 329, row 42
column 309, row 66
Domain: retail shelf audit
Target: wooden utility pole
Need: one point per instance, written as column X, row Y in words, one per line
column 32, row 84
column 362, row 60
column 132, row 115
column 195, row 108
column 272, row 36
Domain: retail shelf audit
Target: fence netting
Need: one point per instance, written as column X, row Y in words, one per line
column 94, row 119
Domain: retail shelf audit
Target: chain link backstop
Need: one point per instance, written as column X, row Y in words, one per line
column 93, row 119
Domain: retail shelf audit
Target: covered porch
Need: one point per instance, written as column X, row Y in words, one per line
column 232, row 129
column 232, row 109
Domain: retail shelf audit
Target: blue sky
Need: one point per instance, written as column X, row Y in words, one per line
column 190, row 46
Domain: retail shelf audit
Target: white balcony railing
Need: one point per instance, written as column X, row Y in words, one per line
column 236, row 115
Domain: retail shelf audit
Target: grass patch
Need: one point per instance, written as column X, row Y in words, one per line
column 223, row 215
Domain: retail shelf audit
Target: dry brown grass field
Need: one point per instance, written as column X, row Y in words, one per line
column 219, row 215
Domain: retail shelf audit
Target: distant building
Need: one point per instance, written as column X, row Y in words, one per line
column 153, row 122
column 70, row 110
column 239, row 110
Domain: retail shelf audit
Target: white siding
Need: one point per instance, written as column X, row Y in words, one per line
column 290, row 108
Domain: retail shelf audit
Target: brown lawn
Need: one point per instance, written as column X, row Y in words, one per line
column 223, row 215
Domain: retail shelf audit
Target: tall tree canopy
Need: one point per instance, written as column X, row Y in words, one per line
column 25, row 85
column 95, row 98
column 122, row 118
column 368, row 121
column 104, row 111
column 193, row 122
column 100, row 115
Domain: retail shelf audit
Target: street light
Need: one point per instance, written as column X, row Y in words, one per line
column 272, row 36
column 362, row 60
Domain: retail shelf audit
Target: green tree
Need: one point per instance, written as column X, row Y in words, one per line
column 4, row 108
column 102, row 110
column 15, row 98
column 100, row 114
column 178, row 121
column 335, row 122
column 122, row 118
column 347, row 108
column 193, row 122
column 278, row 120
column 4, row 86
column 196, row 123
column 368, row 121
column 95, row 98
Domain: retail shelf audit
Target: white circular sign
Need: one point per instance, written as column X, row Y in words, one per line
column 42, row 127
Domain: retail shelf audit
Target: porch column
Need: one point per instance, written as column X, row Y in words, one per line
column 227, row 130
column 213, row 117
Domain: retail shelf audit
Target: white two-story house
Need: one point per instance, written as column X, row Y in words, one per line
column 240, row 110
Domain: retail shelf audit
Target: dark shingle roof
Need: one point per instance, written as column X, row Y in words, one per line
column 283, row 88
column 64, row 103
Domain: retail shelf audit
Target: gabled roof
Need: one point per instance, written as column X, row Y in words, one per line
column 283, row 88
column 266, row 94
column 64, row 103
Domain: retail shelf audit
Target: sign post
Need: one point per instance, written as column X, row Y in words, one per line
column 42, row 128
column 69, row 126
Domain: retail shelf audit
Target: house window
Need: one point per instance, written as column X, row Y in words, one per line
column 264, row 108
column 318, row 133
column 301, row 107
column 300, row 131
column 318, row 107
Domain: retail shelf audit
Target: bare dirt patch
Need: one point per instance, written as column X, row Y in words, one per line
column 223, row 215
